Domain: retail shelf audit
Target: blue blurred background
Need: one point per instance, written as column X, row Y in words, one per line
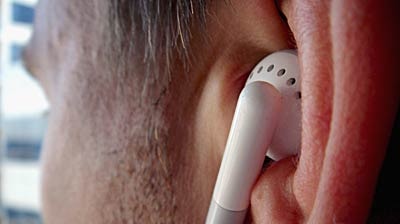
column 24, row 112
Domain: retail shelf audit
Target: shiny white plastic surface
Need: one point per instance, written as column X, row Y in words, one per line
column 287, row 138
column 250, row 135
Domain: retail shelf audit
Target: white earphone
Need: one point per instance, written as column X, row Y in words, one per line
column 267, row 121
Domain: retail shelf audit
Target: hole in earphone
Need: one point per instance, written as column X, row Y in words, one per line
column 291, row 81
column 270, row 68
column 251, row 75
column 260, row 69
column 281, row 72
column 298, row 95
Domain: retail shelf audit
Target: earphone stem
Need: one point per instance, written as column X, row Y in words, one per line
column 250, row 135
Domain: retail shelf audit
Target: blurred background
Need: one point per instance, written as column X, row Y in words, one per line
column 24, row 112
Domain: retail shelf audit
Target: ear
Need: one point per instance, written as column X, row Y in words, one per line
column 347, row 52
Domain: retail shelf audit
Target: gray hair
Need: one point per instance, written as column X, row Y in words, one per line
column 155, row 32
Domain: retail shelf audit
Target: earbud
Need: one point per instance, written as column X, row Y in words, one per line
column 267, row 121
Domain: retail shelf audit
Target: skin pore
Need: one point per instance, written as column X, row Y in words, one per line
column 115, row 153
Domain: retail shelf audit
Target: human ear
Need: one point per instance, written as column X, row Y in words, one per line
column 350, row 96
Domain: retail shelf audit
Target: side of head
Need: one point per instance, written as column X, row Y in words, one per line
column 142, row 96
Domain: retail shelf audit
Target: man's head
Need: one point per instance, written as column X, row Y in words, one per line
column 142, row 94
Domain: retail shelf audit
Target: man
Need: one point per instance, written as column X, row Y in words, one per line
column 142, row 94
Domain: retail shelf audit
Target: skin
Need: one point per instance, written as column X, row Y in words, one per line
column 111, row 158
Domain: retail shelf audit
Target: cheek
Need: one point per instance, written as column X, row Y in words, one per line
column 75, row 162
column 97, row 167
column 67, row 173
